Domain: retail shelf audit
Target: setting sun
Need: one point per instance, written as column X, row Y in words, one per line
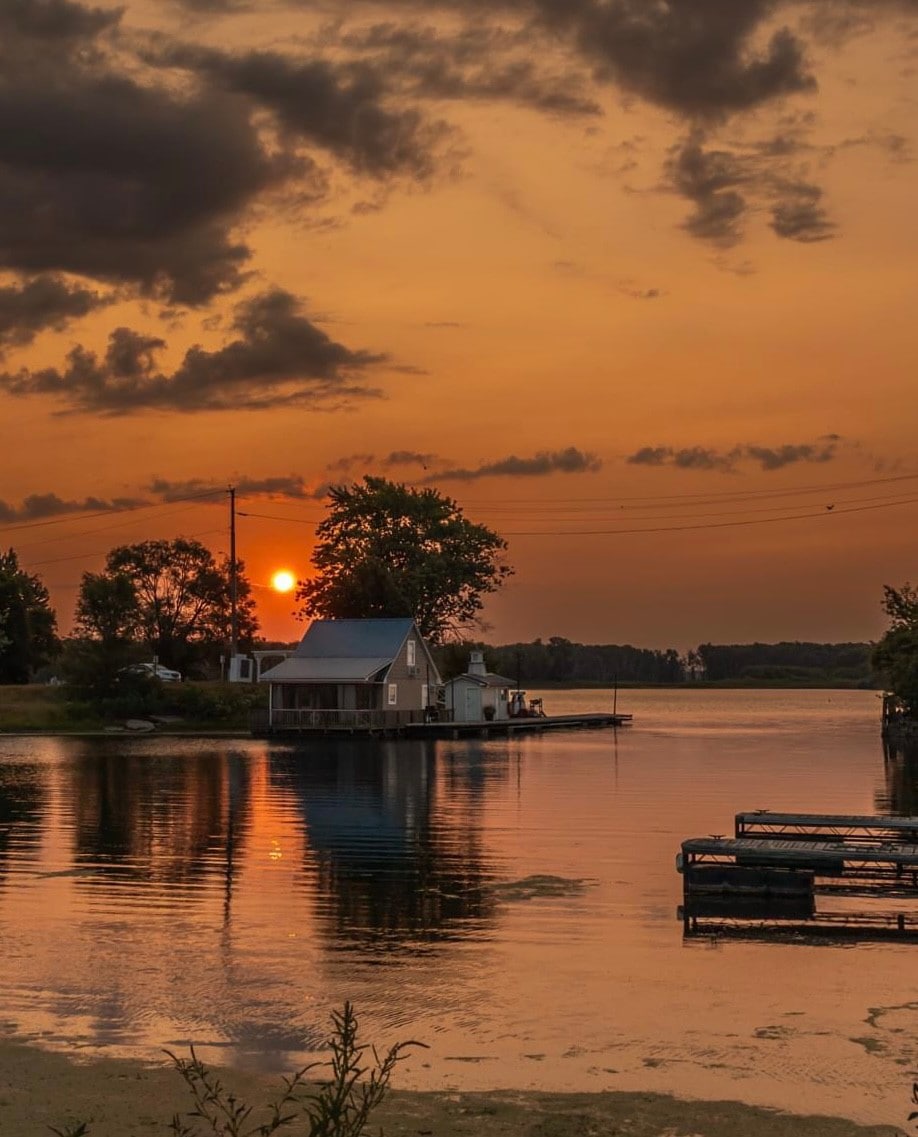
column 283, row 581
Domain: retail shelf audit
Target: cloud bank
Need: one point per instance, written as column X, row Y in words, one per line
column 569, row 461
column 279, row 358
column 768, row 458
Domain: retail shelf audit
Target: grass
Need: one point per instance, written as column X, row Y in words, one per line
column 338, row 1106
column 190, row 706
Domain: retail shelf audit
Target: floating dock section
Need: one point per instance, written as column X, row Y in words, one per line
column 817, row 870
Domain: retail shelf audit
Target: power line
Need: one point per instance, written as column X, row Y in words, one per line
column 275, row 517
column 99, row 529
column 853, row 506
column 108, row 512
column 706, row 525
column 727, row 494
column 99, row 552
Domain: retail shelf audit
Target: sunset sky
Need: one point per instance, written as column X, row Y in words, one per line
column 632, row 280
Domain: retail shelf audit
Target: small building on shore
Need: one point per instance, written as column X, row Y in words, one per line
column 376, row 674
column 479, row 694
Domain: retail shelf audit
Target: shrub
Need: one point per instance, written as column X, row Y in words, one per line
column 337, row 1107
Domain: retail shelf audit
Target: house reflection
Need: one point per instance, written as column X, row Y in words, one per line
column 900, row 767
column 393, row 836
column 153, row 817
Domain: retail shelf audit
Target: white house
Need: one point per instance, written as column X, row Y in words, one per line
column 478, row 694
column 353, row 673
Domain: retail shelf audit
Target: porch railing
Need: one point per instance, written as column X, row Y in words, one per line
column 333, row 719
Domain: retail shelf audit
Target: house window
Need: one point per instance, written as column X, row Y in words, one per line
column 393, row 694
column 412, row 653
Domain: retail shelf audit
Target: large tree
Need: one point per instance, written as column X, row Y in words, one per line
column 388, row 550
column 27, row 622
column 896, row 655
column 172, row 597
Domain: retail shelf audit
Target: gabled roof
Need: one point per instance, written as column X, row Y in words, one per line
column 354, row 639
column 345, row 651
column 489, row 679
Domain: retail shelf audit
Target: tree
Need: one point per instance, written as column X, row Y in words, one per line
column 171, row 596
column 28, row 624
column 102, row 647
column 387, row 550
column 896, row 655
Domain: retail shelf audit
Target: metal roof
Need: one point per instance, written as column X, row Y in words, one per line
column 354, row 639
column 353, row 669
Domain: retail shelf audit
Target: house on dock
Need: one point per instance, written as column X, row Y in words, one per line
column 479, row 694
column 353, row 675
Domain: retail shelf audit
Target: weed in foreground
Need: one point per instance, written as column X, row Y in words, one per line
column 339, row 1106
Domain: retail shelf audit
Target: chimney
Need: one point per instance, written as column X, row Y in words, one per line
column 476, row 664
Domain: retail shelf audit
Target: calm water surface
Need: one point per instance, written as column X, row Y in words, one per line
column 154, row 892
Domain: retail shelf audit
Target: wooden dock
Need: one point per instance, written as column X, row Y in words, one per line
column 778, row 863
column 503, row 728
column 341, row 724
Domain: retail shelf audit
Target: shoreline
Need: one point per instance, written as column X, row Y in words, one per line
column 123, row 1098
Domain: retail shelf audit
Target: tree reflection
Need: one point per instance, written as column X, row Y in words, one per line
column 154, row 817
column 23, row 800
column 394, row 835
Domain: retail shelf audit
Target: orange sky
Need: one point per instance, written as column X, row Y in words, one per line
column 570, row 235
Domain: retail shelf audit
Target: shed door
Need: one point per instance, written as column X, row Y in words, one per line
column 472, row 704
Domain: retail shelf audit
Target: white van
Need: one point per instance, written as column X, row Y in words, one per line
column 166, row 674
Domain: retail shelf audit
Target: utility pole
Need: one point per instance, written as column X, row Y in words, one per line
column 234, row 629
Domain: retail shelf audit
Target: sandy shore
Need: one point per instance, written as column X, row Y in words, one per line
column 125, row 1099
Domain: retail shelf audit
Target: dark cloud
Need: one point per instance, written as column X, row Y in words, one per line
column 283, row 485
column 54, row 20
column 569, row 461
column 341, row 107
column 710, row 179
column 703, row 59
column 395, row 458
column 110, row 178
column 409, row 458
column 800, row 216
column 347, row 463
column 477, row 62
column 279, row 358
column 775, row 458
column 688, row 458
column 824, row 449
column 700, row 58
column 37, row 507
column 627, row 288
column 725, row 185
column 46, row 302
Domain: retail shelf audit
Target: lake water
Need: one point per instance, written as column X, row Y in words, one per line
column 230, row 893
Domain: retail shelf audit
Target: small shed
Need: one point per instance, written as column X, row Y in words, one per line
column 478, row 694
column 355, row 673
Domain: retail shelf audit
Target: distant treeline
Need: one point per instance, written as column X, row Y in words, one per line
column 794, row 662
column 560, row 661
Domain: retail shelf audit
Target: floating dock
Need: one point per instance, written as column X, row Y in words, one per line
column 777, row 865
